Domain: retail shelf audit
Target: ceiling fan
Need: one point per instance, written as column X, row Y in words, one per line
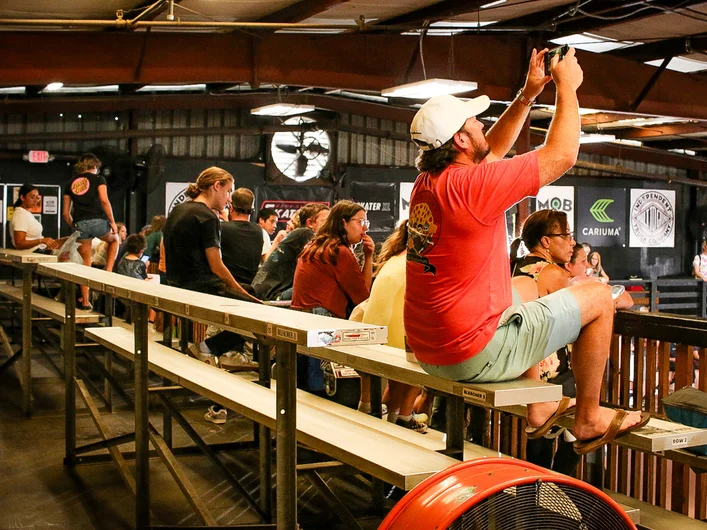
column 300, row 155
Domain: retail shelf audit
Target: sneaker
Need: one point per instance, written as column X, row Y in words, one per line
column 422, row 417
column 412, row 424
column 205, row 357
column 236, row 360
column 84, row 307
column 366, row 408
column 216, row 416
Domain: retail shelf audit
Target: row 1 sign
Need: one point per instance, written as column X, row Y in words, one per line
column 599, row 216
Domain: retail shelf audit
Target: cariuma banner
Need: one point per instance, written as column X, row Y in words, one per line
column 601, row 217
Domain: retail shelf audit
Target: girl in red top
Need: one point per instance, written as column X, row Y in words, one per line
column 328, row 279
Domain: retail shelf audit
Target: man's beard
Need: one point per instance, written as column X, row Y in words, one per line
column 480, row 152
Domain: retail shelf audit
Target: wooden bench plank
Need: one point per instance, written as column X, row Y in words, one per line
column 659, row 435
column 9, row 255
column 389, row 362
column 654, row 517
column 247, row 318
column 48, row 307
column 432, row 440
column 395, row 461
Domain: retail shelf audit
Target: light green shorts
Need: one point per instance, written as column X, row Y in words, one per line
column 527, row 333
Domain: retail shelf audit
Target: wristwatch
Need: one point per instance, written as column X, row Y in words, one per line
column 525, row 101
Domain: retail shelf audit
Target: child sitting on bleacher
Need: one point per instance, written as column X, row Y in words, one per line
column 132, row 264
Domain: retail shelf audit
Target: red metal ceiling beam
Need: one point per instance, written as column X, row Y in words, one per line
column 658, row 131
column 352, row 61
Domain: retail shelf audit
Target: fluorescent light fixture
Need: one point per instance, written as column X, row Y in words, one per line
column 491, row 4
column 12, row 90
column 593, row 43
column 642, row 122
column 53, row 86
column 551, row 110
column 683, row 151
column 450, row 27
column 682, row 64
column 172, row 88
column 281, row 109
column 429, row 88
column 318, row 31
column 596, row 138
column 86, row 89
column 622, row 141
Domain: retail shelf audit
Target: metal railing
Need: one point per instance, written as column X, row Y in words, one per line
column 685, row 296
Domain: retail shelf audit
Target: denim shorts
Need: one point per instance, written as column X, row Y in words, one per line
column 526, row 334
column 90, row 228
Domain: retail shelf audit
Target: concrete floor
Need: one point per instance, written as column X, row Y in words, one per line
column 38, row 491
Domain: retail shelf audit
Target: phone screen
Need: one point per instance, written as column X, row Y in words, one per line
column 145, row 258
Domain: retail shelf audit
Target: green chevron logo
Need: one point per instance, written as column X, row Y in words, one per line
column 598, row 210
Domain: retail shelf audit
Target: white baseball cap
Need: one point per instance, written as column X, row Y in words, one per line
column 441, row 117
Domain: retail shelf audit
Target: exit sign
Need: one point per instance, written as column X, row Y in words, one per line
column 39, row 157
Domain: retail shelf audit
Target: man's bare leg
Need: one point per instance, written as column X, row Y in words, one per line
column 589, row 355
column 537, row 413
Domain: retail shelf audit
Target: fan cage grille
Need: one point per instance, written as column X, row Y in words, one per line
column 541, row 505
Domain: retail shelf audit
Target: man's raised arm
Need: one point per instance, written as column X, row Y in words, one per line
column 561, row 147
column 504, row 133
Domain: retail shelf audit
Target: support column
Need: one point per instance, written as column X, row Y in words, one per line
column 69, row 345
column 286, row 435
column 265, row 435
column 142, row 436
column 26, row 360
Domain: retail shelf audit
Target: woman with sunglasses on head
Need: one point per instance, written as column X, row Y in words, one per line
column 328, row 279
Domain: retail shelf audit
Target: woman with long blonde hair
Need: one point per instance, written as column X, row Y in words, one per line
column 385, row 308
column 192, row 242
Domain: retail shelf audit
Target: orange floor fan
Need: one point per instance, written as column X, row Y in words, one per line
column 504, row 494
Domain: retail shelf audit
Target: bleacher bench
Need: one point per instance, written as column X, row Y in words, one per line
column 388, row 458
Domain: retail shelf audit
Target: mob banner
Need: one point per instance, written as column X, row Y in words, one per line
column 286, row 200
column 380, row 201
column 557, row 198
column 601, row 217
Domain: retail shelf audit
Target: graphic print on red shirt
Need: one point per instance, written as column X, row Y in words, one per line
column 424, row 229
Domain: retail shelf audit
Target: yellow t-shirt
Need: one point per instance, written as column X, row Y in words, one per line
column 385, row 305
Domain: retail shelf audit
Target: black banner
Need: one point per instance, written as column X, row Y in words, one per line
column 601, row 217
column 380, row 200
column 286, row 200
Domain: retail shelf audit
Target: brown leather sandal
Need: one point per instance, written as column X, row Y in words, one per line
column 582, row 447
column 563, row 409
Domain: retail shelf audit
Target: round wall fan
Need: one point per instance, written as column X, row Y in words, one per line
column 300, row 155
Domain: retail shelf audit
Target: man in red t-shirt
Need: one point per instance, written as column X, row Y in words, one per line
column 462, row 319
